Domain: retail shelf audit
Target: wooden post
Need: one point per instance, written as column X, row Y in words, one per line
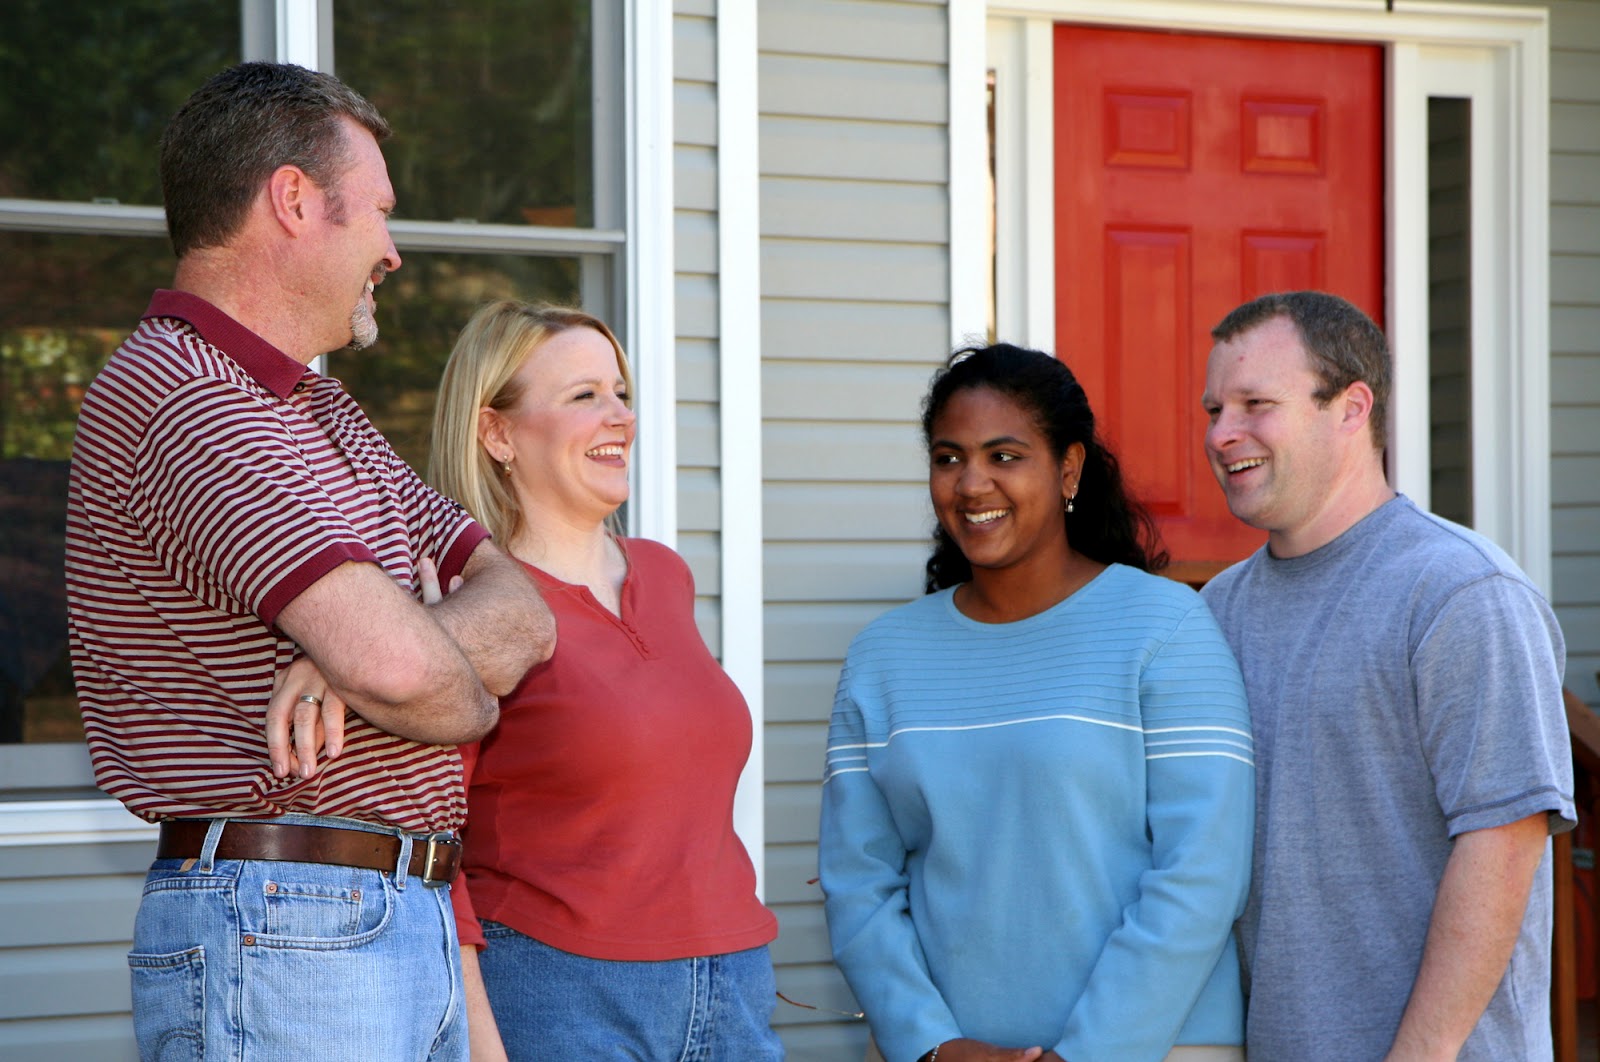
column 1564, row 959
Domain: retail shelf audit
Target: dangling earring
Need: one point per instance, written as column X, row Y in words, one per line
column 1068, row 505
column 505, row 463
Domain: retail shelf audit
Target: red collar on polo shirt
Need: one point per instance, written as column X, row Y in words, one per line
column 271, row 367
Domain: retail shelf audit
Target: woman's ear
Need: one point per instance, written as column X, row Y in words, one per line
column 1072, row 469
column 493, row 435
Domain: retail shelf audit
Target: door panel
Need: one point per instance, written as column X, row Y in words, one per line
column 1193, row 173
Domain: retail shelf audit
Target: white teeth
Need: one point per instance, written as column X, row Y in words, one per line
column 612, row 450
column 984, row 518
column 1240, row 466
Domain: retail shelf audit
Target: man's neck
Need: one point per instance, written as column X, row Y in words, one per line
column 1348, row 504
column 251, row 298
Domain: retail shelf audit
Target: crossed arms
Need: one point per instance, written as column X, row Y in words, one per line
column 426, row 672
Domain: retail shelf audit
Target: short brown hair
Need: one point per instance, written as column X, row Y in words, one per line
column 238, row 128
column 1344, row 345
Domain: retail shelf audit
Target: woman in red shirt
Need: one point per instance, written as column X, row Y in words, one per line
column 607, row 908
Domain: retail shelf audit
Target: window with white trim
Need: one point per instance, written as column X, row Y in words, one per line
column 508, row 161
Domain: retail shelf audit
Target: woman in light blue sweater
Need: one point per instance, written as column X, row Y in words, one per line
column 1039, row 791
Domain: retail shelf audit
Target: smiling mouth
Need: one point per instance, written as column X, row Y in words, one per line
column 1240, row 466
column 609, row 450
column 987, row 517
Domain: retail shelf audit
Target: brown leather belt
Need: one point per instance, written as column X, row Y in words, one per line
column 435, row 858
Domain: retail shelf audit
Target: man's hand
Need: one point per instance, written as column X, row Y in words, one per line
column 304, row 717
column 384, row 652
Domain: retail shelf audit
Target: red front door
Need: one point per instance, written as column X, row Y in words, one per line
column 1193, row 173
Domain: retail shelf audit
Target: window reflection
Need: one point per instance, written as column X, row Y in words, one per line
column 1450, row 308
column 89, row 86
column 60, row 319
column 492, row 104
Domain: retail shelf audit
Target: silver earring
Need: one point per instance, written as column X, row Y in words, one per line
column 1069, row 502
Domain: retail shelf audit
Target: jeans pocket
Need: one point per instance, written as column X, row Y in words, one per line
column 300, row 911
column 169, row 1005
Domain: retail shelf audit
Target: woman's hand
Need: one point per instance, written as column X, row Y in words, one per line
column 483, row 1035
column 428, row 582
column 304, row 717
column 965, row 1050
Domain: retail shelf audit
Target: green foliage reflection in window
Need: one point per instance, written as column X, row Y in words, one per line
column 491, row 103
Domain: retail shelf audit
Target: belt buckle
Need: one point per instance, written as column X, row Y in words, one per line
column 437, row 842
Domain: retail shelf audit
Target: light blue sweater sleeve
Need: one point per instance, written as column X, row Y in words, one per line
column 862, row 860
column 1200, row 808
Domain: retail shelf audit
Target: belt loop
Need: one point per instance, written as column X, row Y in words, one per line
column 208, row 850
column 402, row 867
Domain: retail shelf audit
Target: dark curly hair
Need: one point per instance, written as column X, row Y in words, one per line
column 1108, row 525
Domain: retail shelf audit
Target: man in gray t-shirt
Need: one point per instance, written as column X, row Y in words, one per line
column 1404, row 679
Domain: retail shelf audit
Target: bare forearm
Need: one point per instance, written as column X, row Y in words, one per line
column 451, row 707
column 483, row 1035
column 387, row 658
column 1476, row 920
column 499, row 619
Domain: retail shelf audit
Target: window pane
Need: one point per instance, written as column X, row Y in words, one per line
column 421, row 309
column 87, row 86
column 492, row 104
column 1450, row 307
column 60, row 319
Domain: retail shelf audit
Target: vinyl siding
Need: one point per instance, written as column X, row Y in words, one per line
column 855, row 293
column 1575, row 334
column 67, row 912
column 694, row 156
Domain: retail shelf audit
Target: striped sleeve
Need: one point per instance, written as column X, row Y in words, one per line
column 232, row 504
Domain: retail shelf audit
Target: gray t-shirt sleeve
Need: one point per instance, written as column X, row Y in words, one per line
column 1488, row 668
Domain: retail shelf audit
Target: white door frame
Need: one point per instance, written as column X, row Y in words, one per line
column 1496, row 56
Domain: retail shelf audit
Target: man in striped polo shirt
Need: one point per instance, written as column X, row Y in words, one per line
column 239, row 534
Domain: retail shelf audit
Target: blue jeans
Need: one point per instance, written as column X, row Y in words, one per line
column 553, row 1004
column 262, row 961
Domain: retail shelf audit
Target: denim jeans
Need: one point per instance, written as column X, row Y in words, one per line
column 264, row 961
column 552, row 1004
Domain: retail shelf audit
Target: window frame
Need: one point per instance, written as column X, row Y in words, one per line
column 628, row 256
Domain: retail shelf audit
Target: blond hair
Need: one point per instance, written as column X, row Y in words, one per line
column 482, row 372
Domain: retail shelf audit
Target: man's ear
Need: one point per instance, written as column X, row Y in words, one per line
column 1355, row 406
column 289, row 193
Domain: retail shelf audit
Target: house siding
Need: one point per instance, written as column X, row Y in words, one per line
column 67, row 914
column 1575, row 335
column 694, row 176
column 854, row 315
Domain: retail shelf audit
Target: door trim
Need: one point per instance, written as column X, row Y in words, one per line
column 1497, row 55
